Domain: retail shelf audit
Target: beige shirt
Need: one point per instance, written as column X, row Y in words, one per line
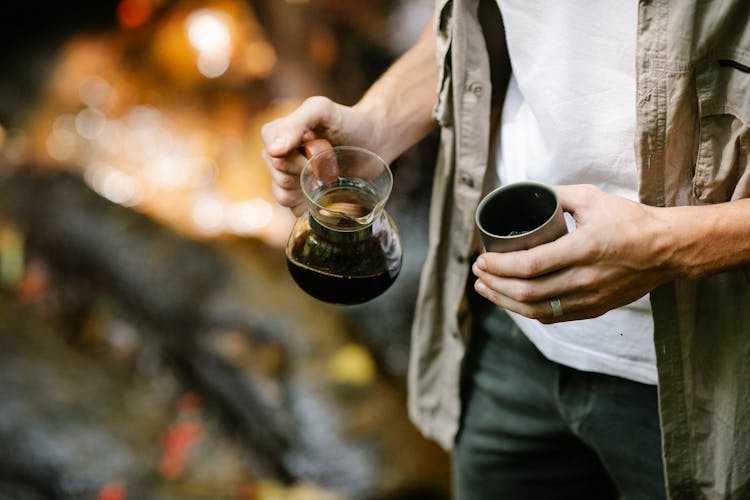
column 692, row 144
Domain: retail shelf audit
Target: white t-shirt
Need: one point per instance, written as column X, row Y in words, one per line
column 569, row 118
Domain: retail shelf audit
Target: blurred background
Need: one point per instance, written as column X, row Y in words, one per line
column 152, row 343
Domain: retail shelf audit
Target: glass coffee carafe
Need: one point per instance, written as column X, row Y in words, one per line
column 345, row 249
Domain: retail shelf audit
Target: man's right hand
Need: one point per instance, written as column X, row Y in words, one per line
column 315, row 118
column 393, row 115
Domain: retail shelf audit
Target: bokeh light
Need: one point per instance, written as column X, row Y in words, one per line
column 133, row 13
column 210, row 35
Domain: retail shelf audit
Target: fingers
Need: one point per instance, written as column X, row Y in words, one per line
column 289, row 165
column 537, row 261
column 287, row 197
column 573, row 306
column 315, row 117
column 282, row 137
column 574, row 197
column 534, row 310
column 520, row 290
column 581, row 296
column 285, row 184
column 275, row 142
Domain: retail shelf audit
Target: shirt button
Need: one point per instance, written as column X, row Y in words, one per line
column 475, row 88
column 460, row 258
column 467, row 180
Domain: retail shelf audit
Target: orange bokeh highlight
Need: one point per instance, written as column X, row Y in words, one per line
column 133, row 13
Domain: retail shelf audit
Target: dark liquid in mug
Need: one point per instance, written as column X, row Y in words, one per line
column 517, row 211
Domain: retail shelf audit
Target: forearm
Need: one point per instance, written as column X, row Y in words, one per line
column 399, row 104
column 704, row 240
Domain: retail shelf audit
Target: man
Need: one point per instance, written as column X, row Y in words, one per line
column 652, row 286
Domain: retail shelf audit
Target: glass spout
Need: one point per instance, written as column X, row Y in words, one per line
column 352, row 198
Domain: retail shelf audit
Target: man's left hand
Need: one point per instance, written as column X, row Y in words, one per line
column 619, row 251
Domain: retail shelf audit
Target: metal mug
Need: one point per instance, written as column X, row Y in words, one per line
column 519, row 216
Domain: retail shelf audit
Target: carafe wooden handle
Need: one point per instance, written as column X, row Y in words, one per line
column 325, row 167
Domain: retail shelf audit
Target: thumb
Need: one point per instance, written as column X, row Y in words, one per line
column 574, row 198
column 309, row 120
column 282, row 136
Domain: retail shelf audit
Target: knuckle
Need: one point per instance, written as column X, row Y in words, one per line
column 598, row 300
column 317, row 101
column 591, row 253
column 536, row 313
column 285, row 128
column 279, row 166
column 523, row 292
column 270, row 131
column 266, row 158
column 285, row 197
column 323, row 107
column 589, row 189
column 591, row 248
column 287, row 182
column 586, row 280
column 272, row 164
column 530, row 266
column 592, row 193
column 265, row 131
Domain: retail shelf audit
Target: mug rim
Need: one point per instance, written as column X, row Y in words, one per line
column 507, row 187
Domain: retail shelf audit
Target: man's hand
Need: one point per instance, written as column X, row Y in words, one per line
column 394, row 114
column 620, row 251
column 316, row 118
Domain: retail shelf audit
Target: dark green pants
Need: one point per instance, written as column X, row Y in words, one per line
column 532, row 428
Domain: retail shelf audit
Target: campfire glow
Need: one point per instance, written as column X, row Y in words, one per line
column 151, row 130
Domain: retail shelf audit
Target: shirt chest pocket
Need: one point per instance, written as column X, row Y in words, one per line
column 722, row 169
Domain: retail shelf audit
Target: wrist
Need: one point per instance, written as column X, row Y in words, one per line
column 392, row 127
column 704, row 240
column 677, row 237
column 373, row 129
